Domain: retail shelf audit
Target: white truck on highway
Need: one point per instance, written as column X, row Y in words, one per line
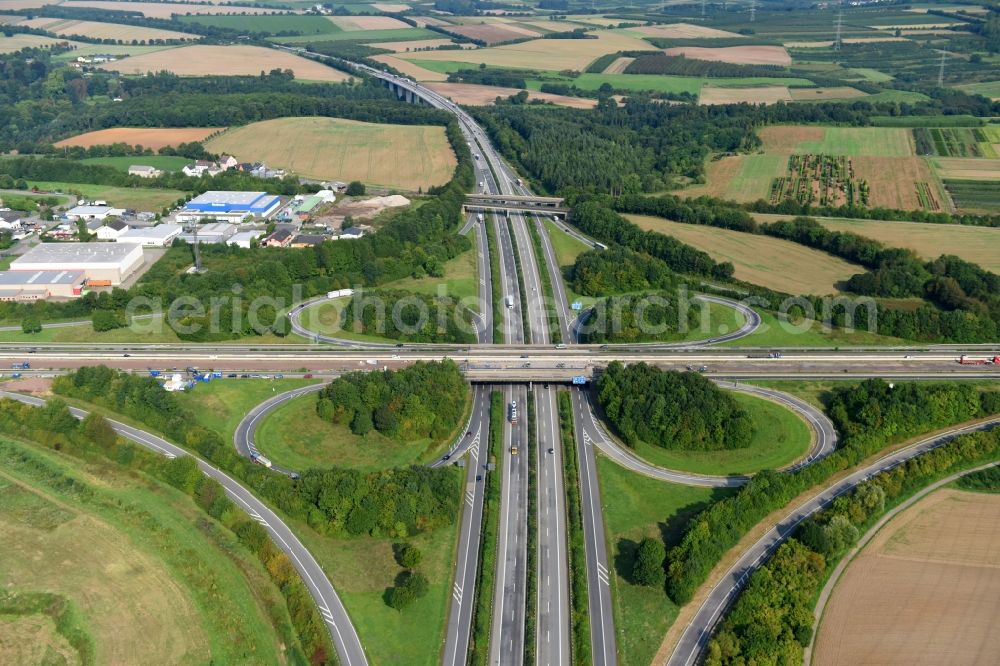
column 260, row 460
column 480, row 218
column 509, row 301
column 337, row 293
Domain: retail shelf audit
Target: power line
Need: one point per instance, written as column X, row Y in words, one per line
column 840, row 27
column 944, row 54
column 753, row 10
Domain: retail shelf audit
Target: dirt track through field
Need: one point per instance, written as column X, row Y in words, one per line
column 618, row 66
column 926, row 590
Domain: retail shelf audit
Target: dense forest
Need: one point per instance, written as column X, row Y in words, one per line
column 403, row 315
column 673, row 410
column 393, row 502
column 618, row 270
column 424, row 400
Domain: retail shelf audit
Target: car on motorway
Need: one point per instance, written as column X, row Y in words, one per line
column 479, row 477
column 552, row 450
column 513, row 450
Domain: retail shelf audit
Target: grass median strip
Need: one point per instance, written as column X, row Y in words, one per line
column 550, row 294
column 481, row 619
column 525, row 323
column 496, row 287
column 580, row 626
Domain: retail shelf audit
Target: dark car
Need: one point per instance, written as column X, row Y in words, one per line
column 468, row 434
column 552, row 450
column 232, row 375
column 447, row 456
column 399, row 344
column 479, row 477
column 126, row 355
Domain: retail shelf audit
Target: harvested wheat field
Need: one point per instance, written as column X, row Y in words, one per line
column 476, row 95
column 411, row 45
column 832, row 92
column 400, row 156
column 756, row 95
column 763, row 260
column 618, row 65
column 355, row 23
column 147, row 137
column 684, row 31
column 895, row 182
column 492, row 33
column 739, row 55
column 167, row 9
column 410, row 69
column 18, row 5
column 225, row 60
column 97, row 30
column 17, row 42
column 926, row 590
column 967, row 168
column 545, row 54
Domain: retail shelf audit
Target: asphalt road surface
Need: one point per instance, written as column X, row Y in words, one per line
column 345, row 638
column 692, row 643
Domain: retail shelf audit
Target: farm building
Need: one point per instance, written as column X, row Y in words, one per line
column 92, row 213
column 112, row 230
column 214, row 232
column 161, row 235
column 35, row 285
column 304, row 209
column 351, row 233
column 231, row 207
column 245, row 238
column 144, row 171
column 103, row 264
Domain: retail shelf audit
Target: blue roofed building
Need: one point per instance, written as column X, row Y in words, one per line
column 233, row 207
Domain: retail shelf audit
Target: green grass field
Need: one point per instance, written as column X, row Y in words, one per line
column 873, row 75
column 460, row 280
column 222, row 403
column 636, row 507
column 140, row 198
column 780, row 438
column 774, row 332
column 368, row 36
column 857, row 141
column 755, row 176
column 307, row 25
column 294, row 435
column 989, row 89
column 566, row 247
column 161, row 162
column 152, row 578
column 362, row 569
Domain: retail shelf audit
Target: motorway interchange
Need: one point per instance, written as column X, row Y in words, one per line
column 499, row 365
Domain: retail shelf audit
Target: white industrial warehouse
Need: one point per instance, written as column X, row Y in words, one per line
column 102, row 264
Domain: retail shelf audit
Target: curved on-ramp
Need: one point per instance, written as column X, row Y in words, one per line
column 345, row 638
column 824, row 440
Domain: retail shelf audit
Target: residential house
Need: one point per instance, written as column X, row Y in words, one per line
column 202, row 168
column 351, row 233
column 10, row 220
column 112, row 230
column 308, row 240
column 280, row 238
column 227, row 162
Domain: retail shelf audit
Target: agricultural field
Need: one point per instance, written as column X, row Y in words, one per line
column 780, row 438
column 166, row 9
column 966, row 169
column 989, row 89
column 980, row 245
column 477, row 95
column 96, row 30
column 17, row 42
column 822, row 180
column 711, row 94
column 975, row 196
column 160, row 582
column 139, row 198
column 409, row 68
column 740, row 55
column 637, row 507
column 161, row 162
column 618, row 65
column 740, row 178
column 683, row 31
column 411, row 44
column 769, row 262
column 308, row 25
column 824, row 94
column 923, row 591
column 493, row 33
column 398, row 156
column 407, row 33
column 957, row 141
column 204, row 60
column 853, row 141
column 553, row 55
column 367, row 23
column 147, row 137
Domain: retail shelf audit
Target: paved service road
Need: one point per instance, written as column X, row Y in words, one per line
column 345, row 638
column 693, row 641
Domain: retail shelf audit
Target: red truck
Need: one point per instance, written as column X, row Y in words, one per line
column 965, row 360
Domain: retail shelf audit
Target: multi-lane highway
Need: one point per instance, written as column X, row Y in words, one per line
column 345, row 638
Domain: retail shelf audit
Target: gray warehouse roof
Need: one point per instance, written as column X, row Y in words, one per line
column 77, row 252
column 8, row 278
column 222, row 197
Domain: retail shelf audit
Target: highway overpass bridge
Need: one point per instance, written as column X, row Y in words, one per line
column 475, row 203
